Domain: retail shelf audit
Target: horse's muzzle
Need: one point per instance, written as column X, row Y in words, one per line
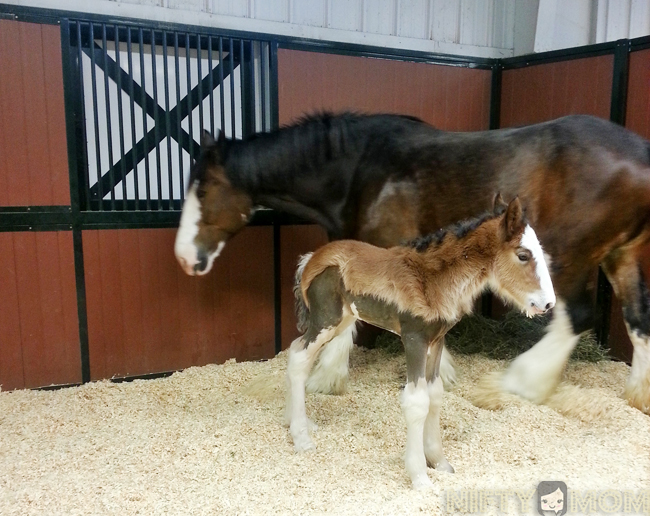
column 202, row 263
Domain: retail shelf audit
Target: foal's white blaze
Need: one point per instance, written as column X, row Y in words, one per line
column 184, row 247
column 545, row 296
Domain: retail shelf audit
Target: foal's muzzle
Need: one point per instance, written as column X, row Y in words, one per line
column 538, row 309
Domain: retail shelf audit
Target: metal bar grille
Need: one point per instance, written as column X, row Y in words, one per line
column 147, row 94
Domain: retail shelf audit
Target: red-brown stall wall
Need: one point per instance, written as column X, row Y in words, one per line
column 39, row 330
column 39, row 327
column 145, row 315
column 546, row 91
column 33, row 148
column 449, row 97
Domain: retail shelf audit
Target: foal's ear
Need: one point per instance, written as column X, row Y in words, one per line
column 514, row 219
column 499, row 204
column 207, row 140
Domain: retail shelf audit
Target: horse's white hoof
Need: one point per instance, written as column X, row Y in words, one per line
column 303, row 444
column 444, row 465
column 422, row 482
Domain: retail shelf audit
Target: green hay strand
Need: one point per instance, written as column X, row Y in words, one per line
column 502, row 339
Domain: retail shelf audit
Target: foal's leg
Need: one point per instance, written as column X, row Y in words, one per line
column 432, row 439
column 415, row 405
column 330, row 376
column 631, row 288
column 302, row 354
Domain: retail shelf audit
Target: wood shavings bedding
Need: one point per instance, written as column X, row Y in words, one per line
column 196, row 443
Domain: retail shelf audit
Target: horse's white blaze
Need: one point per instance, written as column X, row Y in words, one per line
column 184, row 247
column 546, row 295
column 535, row 374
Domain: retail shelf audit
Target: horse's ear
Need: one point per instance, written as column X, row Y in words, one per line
column 221, row 135
column 207, row 140
column 499, row 204
column 514, row 219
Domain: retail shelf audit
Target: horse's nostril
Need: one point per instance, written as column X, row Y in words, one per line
column 548, row 306
column 201, row 265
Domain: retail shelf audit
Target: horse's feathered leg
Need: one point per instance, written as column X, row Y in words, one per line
column 432, row 439
column 535, row 374
column 330, row 376
column 627, row 277
column 447, row 369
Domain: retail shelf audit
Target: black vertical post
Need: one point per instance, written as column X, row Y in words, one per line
column 75, row 135
column 616, row 114
column 495, row 122
column 277, row 256
column 247, row 84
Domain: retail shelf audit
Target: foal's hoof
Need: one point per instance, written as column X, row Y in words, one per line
column 443, row 465
column 422, row 483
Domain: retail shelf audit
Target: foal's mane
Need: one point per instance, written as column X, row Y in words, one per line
column 458, row 229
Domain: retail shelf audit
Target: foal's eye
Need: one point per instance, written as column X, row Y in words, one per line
column 523, row 257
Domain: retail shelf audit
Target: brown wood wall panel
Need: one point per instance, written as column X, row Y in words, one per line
column 145, row 315
column 453, row 98
column 39, row 330
column 33, row 151
column 546, row 91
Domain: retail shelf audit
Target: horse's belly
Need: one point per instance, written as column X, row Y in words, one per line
column 375, row 312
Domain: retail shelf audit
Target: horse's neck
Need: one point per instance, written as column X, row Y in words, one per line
column 283, row 182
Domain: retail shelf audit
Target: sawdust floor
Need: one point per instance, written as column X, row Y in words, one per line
column 194, row 443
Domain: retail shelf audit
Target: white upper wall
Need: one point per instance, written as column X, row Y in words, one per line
column 562, row 23
column 481, row 28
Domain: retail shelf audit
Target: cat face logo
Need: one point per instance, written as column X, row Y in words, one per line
column 551, row 498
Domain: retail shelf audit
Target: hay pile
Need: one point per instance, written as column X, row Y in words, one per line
column 502, row 339
column 194, row 443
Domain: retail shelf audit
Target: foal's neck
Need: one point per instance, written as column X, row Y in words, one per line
column 469, row 258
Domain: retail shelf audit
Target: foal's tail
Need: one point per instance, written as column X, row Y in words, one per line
column 302, row 311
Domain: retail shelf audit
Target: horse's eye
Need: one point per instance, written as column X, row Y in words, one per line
column 523, row 257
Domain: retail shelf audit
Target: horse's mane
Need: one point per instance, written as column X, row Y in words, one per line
column 458, row 229
column 273, row 159
column 329, row 117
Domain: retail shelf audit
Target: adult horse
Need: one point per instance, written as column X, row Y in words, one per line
column 584, row 183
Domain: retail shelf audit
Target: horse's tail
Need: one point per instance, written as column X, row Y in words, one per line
column 302, row 311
